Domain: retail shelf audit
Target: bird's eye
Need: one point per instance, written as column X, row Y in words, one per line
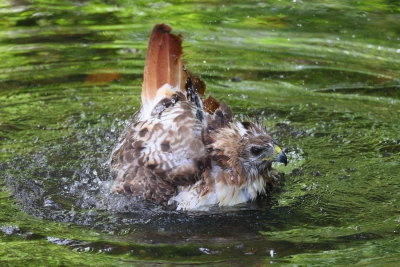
column 255, row 150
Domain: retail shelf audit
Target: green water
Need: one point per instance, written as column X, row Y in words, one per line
column 324, row 75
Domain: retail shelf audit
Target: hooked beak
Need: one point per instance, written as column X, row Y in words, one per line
column 281, row 156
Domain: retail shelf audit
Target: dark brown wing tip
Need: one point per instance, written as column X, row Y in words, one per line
column 197, row 82
column 211, row 104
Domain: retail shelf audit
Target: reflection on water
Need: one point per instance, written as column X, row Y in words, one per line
column 323, row 76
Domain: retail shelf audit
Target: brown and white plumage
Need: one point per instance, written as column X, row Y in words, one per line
column 181, row 149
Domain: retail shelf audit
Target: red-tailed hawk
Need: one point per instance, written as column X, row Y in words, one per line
column 183, row 150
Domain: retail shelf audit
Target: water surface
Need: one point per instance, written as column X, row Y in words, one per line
column 323, row 76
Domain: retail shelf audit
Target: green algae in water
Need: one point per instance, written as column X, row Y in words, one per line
column 323, row 75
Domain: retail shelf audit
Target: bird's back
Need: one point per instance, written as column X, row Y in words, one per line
column 155, row 156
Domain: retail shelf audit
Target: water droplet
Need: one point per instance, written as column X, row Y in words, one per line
column 49, row 203
column 10, row 229
column 205, row 250
column 92, row 213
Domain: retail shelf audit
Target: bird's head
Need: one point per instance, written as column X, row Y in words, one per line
column 248, row 148
column 257, row 150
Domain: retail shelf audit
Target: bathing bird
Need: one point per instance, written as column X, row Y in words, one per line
column 186, row 150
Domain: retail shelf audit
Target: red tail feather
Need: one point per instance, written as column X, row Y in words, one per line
column 163, row 62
